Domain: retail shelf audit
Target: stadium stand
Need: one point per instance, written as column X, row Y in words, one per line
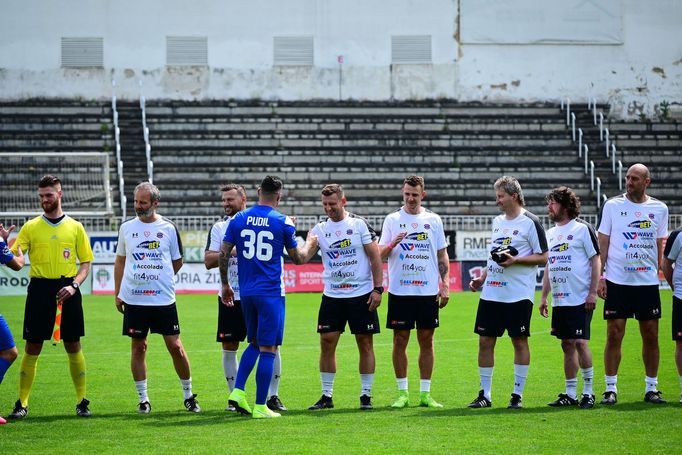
column 369, row 147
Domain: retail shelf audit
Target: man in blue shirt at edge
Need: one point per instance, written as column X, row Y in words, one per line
column 260, row 235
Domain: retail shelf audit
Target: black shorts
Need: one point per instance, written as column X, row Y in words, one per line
column 140, row 319
column 624, row 301
column 231, row 325
column 571, row 322
column 677, row 319
column 41, row 308
column 493, row 318
column 335, row 312
column 404, row 311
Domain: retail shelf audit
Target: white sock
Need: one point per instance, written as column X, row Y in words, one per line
column 402, row 383
column 141, row 387
column 681, row 385
column 651, row 384
column 327, row 380
column 425, row 385
column 486, row 375
column 276, row 374
column 186, row 387
column 366, row 381
column 588, row 376
column 230, row 366
column 611, row 383
column 572, row 387
column 520, row 375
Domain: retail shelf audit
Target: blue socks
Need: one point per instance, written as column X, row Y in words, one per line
column 4, row 366
column 266, row 365
column 246, row 364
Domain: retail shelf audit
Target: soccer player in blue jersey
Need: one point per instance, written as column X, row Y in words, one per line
column 8, row 350
column 260, row 235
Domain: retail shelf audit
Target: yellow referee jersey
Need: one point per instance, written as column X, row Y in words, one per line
column 53, row 248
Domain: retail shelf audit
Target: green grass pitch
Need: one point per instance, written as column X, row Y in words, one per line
column 52, row 427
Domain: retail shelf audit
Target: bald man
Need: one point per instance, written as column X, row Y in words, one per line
column 631, row 232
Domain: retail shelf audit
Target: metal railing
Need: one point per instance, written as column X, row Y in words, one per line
column 145, row 134
column 119, row 162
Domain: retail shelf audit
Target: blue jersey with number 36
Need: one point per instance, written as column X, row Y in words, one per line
column 260, row 235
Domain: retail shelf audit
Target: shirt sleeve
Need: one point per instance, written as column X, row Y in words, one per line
column 121, row 244
column 83, row 247
column 386, row 234
column 441, row 241
column 176, row 245
column 22, row 240
column 673, row 246
column 215, row 237
column 663, row 225
column 605, row 222
column 289, row 234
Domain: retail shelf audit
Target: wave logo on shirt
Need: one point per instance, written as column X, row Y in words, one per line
column 414, row 246
column 640, row 224
column 503, row 241
column 560, row 247
column 143, row 256
column 418, row 236
column 149, row 245
column 561, row 259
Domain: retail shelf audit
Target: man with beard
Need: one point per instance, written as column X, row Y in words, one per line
column 54, row 242
column 572, row 275
column 631, row 232
column 352, row 292
column 231, row 326
column 518, row 246
column 148, row 255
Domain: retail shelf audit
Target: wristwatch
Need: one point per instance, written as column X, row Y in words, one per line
column 75, row 285
column 379, row 290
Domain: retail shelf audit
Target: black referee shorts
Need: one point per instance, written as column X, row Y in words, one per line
column 41, row 308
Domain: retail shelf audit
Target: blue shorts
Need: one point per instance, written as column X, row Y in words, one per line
column 6, row 340
column 264, row 317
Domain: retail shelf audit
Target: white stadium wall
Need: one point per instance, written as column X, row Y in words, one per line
column 626, row 52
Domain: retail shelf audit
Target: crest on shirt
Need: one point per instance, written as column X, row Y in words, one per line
column 159, row 235
column 147, row 233
column 349, row 232
column 66, row 253
column 427, row 226
column 338, row 233
column 415, row 225
column 516, row 232
column 651, row 216
column 570, row 237
column 638, row 214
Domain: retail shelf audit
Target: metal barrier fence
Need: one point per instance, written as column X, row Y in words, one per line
column 304, row 223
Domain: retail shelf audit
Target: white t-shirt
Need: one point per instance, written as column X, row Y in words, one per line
column 347, row 270
column 633, row 229
column 673, row 251
column 517, row 282
column 150, row 249
column 213, row 243
column 571, row 247
column 413, row 264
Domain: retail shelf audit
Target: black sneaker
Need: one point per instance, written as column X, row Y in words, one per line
column 324, row 402
column 275, row 404
column 19, row 412
column 586, row 401
column 144, row 408
column 230, row 408
column 563, row 400
column 192, row 404
column 654, row 397
column 515, row 402
column 609, row 398
column 366, row 402
column 480, row 402
column 82, row 409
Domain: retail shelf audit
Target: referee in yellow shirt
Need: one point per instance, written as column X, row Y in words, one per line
column 53, row 241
